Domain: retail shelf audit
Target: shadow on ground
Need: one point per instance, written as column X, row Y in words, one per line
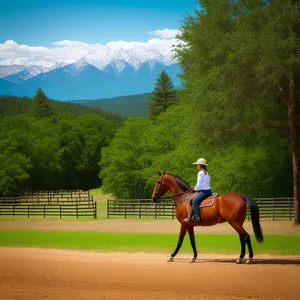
column 275, row 261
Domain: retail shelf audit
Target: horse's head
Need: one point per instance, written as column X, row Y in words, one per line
column 160, row 188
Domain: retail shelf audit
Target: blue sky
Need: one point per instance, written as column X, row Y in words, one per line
column 43, row 22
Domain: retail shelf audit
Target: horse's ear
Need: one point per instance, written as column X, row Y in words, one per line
column 159, row 174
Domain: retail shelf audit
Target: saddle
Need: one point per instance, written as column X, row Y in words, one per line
column 207, row 202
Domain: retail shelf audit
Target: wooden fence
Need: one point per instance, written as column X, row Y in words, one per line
column 269, row 208
column 50, row 203
column 142, row 208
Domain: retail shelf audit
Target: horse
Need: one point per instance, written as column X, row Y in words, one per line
column 230, row 207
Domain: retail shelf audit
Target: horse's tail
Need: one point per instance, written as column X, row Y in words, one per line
column 254, row 211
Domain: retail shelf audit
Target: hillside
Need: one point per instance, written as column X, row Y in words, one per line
column 12, row 106
column 133, row 105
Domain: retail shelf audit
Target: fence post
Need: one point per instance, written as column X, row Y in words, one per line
column 125, row 209
column 107, row 208
column 140, row 208
column 173, row 211
column 290, row 215
column 13, row 209
column 77, row 209
column 273, row 208
column 95, row 216
column 60, row 210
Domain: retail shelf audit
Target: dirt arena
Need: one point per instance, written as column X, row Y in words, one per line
column 30, row 273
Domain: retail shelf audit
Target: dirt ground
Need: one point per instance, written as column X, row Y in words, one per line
column 31, row 274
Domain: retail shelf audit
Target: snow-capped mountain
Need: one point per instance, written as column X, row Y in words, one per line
column 99, row 74
column 99, row 59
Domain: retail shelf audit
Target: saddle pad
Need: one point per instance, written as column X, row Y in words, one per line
column 209, row 201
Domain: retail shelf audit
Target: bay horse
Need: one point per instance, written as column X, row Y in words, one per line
column 228, row 207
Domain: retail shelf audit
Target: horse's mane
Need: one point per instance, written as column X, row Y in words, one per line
column 183, row 185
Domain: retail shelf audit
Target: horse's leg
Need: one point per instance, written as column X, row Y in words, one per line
column 248, row 242
column 243, row 250
column 193, row 243
column 244, row 239
column 182, row 233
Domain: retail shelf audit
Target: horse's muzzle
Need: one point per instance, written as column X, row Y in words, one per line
column 155, row 198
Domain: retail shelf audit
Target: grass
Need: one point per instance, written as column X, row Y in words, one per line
column 142, row 242
column 95, row 192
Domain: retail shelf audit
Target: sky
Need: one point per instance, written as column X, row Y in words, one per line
column 51, row 27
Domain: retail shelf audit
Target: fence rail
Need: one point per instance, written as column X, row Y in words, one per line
column 88, row 209
column 50, row 203
column 140, row 208
column 43, row 200
column 57, row 193
column 269, row 208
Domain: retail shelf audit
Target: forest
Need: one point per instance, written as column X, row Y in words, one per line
column 50, row 145
column 238, row 108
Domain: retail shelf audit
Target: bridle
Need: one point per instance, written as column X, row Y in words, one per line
column 157, row 193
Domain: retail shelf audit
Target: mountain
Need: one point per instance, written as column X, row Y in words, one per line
column 104, row 73
column 5, row 86
column 19, row 77
column 81, row 80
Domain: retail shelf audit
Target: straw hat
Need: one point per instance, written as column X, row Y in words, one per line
column 200, row 161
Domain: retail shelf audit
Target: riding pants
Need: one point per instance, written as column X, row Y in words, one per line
column 198, row 199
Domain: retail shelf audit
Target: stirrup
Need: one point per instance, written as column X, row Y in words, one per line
column 197, row 219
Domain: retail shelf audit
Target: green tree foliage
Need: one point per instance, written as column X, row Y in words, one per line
column 163, row 95
column 59, row 152
column 13, row 173
column 243, row 57
column 12, row 106
column 122, row 162
column 40, row 107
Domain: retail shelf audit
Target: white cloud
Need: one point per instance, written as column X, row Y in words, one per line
column 166, row 33
column 67, row 49
column 10, row 49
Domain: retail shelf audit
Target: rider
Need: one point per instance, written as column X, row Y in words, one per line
column 202, row 187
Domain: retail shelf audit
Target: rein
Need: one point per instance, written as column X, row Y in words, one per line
column 179, row 202
column 157, row 191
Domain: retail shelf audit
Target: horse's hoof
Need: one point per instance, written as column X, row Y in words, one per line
column 193, row 259
column 170, row 259
column 249, row 261
column 239, row 261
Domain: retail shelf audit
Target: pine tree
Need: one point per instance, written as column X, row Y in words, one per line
column 40, row 106
column 163, row 95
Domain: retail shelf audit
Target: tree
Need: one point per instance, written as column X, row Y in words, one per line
column 40, row 106
column 163, row 95
column 122, row 161
column 242, row 57
column 13, row 173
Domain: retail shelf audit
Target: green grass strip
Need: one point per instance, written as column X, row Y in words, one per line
column 145, row 242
